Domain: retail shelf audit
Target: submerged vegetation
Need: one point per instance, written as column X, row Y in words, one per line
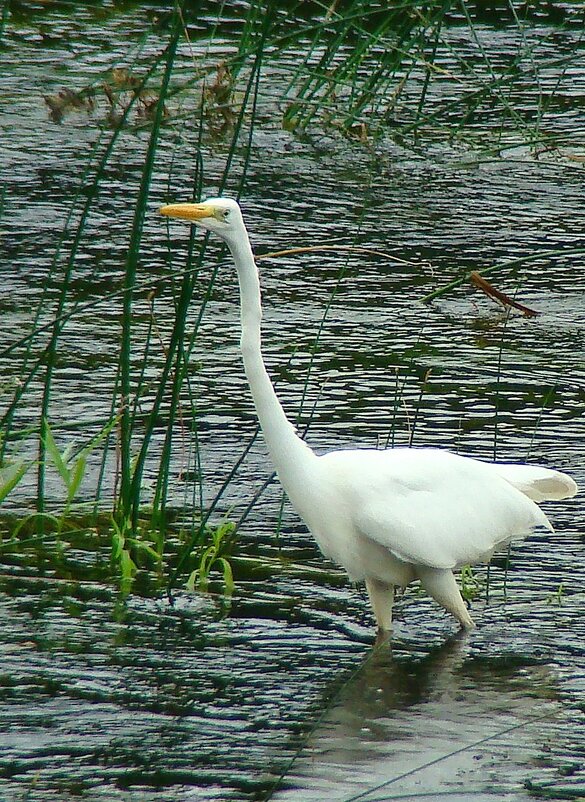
column 414, row 75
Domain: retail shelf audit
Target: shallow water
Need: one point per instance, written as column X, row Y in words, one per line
column 471, row 719
column 110, row 699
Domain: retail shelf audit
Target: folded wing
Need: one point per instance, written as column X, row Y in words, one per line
column 437, row 509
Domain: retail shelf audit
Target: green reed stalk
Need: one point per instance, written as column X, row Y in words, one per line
column 483, row 90
column 198, row 532
column 48, row 356
column 359, row 60
column 423, row 387
column 495, row 83
column 428, row 71
column 106, row 449
column 368, row 68
column 173, row 369
column 130, row 484
column 409, row 35
column 179, row 370
column 50, row 352
column 249, row 98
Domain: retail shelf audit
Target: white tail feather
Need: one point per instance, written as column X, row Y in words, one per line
column 539, row 484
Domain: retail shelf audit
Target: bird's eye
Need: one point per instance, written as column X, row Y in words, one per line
column 223, row 215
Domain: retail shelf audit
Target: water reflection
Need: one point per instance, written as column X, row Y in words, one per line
column 441, row 726
column 134, row 696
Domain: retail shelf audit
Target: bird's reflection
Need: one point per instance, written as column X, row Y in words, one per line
column 422, row 724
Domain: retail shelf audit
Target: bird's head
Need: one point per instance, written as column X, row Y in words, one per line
column 220, row 215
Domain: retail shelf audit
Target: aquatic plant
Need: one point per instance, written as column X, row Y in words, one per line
column 557, row 596
column 358, row 71
column 71, row 464
column 469, row 583
column 213, row 556
column 120, row 554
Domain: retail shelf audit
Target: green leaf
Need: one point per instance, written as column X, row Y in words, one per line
column 228, row 576
column 55, row 454
column 191, row 583
column 37, row 518
column 99, row 437
column 139, row 545
column 10, row 476
column 222, row 531
column 207, row 560
column 117, row 545
column 127, row 565
column 76, row 475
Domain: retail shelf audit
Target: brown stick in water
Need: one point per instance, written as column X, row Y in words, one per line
column 481, row 283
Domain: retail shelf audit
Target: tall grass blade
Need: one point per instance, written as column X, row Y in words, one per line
column 129, row 485
column 47, row 357
column 250, row 95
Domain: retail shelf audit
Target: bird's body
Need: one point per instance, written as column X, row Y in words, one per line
column 388, row 517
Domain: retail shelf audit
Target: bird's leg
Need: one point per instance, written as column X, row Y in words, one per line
column 382, row 636
column 381, row 597
column 442, row 586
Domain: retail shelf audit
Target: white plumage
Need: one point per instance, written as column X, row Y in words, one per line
column 388, row 517
column 442, row 512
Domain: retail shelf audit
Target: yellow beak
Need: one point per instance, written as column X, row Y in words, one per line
column 187, row 211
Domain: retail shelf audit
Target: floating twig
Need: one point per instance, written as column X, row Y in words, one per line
column 497, row 295
column 317, row 248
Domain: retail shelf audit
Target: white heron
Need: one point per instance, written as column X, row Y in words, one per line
column 388, row 517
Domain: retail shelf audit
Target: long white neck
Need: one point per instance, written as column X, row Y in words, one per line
column 291, row 455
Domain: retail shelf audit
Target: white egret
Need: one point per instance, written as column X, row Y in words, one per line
column 388, row 517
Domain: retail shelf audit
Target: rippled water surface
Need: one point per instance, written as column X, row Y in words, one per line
column 278, row 694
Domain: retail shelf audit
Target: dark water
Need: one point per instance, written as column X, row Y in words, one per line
column 137, row 700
